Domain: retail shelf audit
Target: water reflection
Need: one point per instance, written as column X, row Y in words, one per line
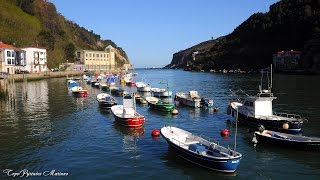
column 127, row 131
column 130, row 139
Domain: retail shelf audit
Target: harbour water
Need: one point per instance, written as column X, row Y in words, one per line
column 52, row 130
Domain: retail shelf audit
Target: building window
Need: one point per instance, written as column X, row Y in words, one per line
column 8, row 54
column 8, row 60
column 97, row 55
column 86, row 55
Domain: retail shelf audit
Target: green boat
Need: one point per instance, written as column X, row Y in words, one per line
column 158, row 104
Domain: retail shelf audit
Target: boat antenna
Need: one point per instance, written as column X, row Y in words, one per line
column 134, row 102
column 235, row 136
column 260, row 87
column 166, row 82
column 268, row 80
column 271, row 77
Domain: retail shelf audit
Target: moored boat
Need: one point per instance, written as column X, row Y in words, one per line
column 71, row 84
column 106, row 100
column 201, row 151
column 79, row 91
column 287, row 140
column 142, row 87
column 126, row 114
column 158, row 104
column 193, row 99
column 117, row 91
column 158, row 92
column 257, row 110
column 140, row 99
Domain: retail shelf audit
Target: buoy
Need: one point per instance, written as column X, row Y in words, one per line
column 285, row 126
column 224, row 132
column 155, row 132
column 216, row 109
column 174, row 112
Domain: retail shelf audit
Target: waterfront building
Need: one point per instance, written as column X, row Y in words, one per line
column 11, row 58
column 287, row 60
column 36, row 59
column 97, row 60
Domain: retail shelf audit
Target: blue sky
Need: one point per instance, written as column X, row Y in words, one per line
column 151, row 31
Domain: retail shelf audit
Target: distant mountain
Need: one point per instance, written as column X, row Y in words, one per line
column 37, row 23
column 289, row 24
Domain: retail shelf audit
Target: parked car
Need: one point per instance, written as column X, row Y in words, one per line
column 18, row 71
column 55, row 70
column 3, row 73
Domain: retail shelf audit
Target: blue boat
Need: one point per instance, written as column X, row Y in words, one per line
column 201, row 151
column 72, row 83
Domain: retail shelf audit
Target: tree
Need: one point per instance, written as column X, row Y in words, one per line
column 46, row 39
column 69, row 51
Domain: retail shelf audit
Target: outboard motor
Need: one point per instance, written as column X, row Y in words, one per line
column 261, row 128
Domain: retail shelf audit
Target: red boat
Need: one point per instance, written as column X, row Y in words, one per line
column 126, row 114
column 130, row 83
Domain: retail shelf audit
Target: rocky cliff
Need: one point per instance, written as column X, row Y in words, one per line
column 288, row 25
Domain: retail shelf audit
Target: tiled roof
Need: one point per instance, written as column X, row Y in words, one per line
column 6, row 46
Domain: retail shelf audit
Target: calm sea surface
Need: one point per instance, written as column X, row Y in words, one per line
column 52, row 130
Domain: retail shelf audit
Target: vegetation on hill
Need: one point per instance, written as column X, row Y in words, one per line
column 37, row 23
column 288, row 25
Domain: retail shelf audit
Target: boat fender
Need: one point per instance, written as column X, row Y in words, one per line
column 285, row 126
column 224, row 132
column 155, row 133
column 174, row 112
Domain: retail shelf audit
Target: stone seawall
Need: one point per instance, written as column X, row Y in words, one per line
column 42, row 75
column 7, row 81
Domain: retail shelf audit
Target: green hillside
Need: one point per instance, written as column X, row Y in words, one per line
column 37, row 23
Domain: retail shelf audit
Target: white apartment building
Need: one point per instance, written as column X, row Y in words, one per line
column 36, row 59
column 11, row 58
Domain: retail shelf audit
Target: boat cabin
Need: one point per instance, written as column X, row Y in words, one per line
column 259, row 105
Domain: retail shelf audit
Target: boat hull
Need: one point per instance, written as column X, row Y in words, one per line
column 143, row 89
column 162, row 94
column 130, row 122
column 162, row 107
column 276, row 125
column 107, row 105
column 301, row 145
column 216, row 164
column 188, row 102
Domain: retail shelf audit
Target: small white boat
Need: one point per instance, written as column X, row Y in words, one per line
column 79, row 91
column 200, row 151
column 190, row 99
column 126, row 114
column 106, row 100
column 142, row 87
column 193, row 99
column 291, row 141
column 158, row 92
column 76, row 89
